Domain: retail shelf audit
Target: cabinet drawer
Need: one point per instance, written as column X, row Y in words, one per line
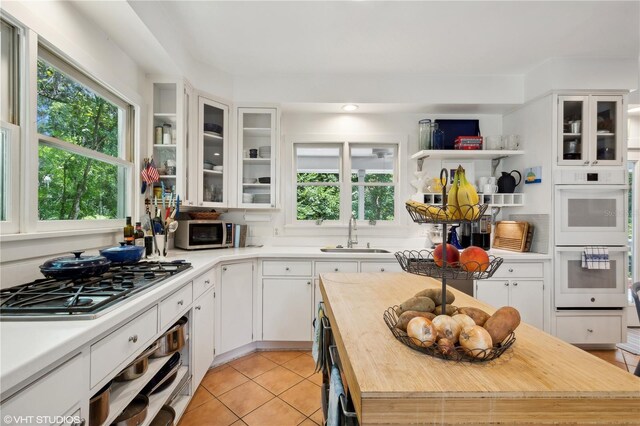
column 286, row 267
column 322, row 267
column 520, row 270
column 380, row 267
column 590, row 329
column 134, row 336
column 55, row 394
column 201, row 284
column 174, row 305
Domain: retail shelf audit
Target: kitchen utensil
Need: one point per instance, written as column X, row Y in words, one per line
column 153, row 233
column 482, row 181
column 511, row 235
column 68, row 267
column 492, row 180
column 165, row 416
column 134, row 413
column 164, row 377
column 494, row 142
column 138, row 367
column 513, row 142
column 507, row 183
column 575, row 126
column 123, row 254
column 172, row 340
column 489, row 188
column 99, row 406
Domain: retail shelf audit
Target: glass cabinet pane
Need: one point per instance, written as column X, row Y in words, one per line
column 257, row 133
column 573, row 141
column 213, row 154
column 606, row 130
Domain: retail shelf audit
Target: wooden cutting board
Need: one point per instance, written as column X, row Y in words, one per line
column 511, row 235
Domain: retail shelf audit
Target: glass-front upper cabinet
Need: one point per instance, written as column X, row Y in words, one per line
column 590, row 130
column 257, row 145
column 213, row 153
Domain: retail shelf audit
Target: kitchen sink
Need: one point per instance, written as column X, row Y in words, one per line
column 352, row 250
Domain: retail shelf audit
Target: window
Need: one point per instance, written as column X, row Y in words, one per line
column 84, row 145
column 324, row 191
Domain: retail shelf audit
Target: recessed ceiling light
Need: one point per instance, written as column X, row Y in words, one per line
column 349, row 107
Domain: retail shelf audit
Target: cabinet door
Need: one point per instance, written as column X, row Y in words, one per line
column 493, row 292
column 257, row 145
column 236, row 306
column 606, row 130
column 286, row 309
column 212, row 167
column 527, row 296
column 573, row 141
column 203, row 335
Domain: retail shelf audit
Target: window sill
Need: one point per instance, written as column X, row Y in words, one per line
column 57, row 234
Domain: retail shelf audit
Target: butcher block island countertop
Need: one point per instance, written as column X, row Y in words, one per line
column 539, row 380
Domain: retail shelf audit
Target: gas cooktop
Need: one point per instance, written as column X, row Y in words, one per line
column 86, row 298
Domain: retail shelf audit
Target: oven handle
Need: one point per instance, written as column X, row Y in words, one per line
column 591, row 187
column 581, row 248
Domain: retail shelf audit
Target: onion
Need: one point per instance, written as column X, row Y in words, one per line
column 446, row 346
column 476, row 341
column 464, row 320
column 447, row 327
column 422, row 332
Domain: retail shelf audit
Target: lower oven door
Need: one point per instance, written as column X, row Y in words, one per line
column 578, row 287
column 588, row 213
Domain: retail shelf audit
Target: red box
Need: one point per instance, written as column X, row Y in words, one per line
column 468, row 142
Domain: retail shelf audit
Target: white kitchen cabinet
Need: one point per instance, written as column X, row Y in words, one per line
column 203, row 334
column 168, row 134
column 286, row 309
column 590, row 130
column 257, row 153
column 58, row 393
column 236, row 306
column 526, row 295
column 580, row 327
column 209, row 155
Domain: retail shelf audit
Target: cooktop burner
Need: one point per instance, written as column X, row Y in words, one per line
column 85, row 298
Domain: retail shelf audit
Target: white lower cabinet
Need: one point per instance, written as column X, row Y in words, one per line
column 527, row 296
column 236, row 306
column 380, row 267
column 591, row 327
column 286, row 309
column 203, row 335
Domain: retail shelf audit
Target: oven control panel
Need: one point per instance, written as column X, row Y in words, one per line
column 591, row 177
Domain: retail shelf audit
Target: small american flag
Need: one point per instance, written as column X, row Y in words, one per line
column 150, row 173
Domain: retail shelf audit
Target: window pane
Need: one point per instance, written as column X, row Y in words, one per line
column 317, row 164
column 8, row 74
column 318, row 202
column 373, row 202
column 368, row 163
column 73, row 113
column 72, row 187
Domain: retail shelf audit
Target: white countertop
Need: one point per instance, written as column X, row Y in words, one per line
column 28, row 348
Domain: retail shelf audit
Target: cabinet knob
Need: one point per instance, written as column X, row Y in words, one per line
column 586, row 163
column 286, row 268
column 133, row 338
column 180, row 302
column 515, row 284
column 308, row 282
column 381, row 269
column 224, row 268
column 510, row 269
column 198, row 308
column 336, row 269
column 506, row 283
column 590, row 330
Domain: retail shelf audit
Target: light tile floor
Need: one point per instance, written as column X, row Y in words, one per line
column 276, row 388
column 279, row 388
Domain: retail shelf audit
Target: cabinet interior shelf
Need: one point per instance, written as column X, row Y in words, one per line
column 164, row 145
column 257, row 185
column 158, row 400
column 257, row 131
column 257, row 160
column 572, row 134
column 164, row 114
column 167, row 176
column 212, row 172
column 211, row 135
column 454, row 154
column 605, row 134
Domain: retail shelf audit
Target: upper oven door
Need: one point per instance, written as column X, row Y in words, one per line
column 591, row 215
column 206, row 233
column 578, row 287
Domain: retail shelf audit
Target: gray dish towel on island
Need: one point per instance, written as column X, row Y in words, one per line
column 317, row 349
column 335, row 390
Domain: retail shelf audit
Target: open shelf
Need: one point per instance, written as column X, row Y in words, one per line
column 459, row 154
column 156, row 401
column 257, row 160
column 257, row 131
column 493, row 200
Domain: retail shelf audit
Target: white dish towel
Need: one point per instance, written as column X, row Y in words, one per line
column 595, row 257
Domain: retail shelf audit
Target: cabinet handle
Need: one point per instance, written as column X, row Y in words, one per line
column 198, row 308
column 133, row 338
column 586, row 163
column 207, row 282
column 595, row 162
column 180, row 302
column 381, row 269
column 590, row 330
column 506, row 283
column 224, row 268
column 286, row 268
column 515, row 284
column 510, row 269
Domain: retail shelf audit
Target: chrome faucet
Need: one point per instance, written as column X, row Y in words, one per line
column 353, row 226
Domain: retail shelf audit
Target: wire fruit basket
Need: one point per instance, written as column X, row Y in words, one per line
column 446, row 214
column 457, row 354
column 421, row 262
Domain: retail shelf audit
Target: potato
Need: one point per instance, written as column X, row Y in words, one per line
column 435, row 294
column 449, row 310
column 477, row 315
column 422, row 304
column 502, row 323
column 407, row 316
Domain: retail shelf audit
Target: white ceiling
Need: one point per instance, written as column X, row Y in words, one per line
column 376, row 37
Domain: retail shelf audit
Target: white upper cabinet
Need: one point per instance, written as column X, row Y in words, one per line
column 590, row 130
column 169, row 124
column 209, row 168
column 257, row 153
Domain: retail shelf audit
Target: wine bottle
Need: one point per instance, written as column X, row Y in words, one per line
column 128, row 232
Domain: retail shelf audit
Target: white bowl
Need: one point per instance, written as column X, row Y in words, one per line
column 249, row 180
column 218, row 168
